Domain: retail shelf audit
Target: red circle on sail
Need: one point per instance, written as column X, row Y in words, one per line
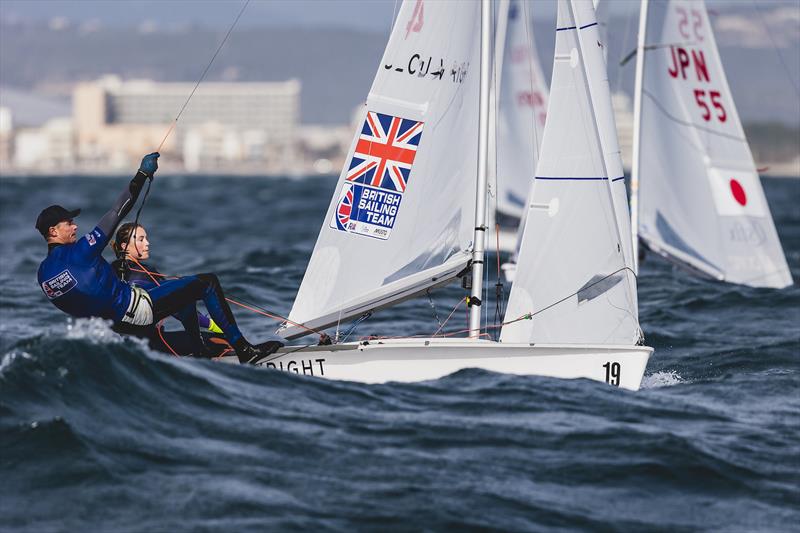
column 738, row 192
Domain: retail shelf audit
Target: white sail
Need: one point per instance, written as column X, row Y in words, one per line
column 602, row 15
column 574, row 275
column 700, row 200
column 522, row 108
column 402, row 217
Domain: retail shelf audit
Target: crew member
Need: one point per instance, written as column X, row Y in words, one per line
column 79, row 281
column 133, row 249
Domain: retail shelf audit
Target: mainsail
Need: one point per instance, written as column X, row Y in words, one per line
column 521, row 111
column 402, row 217
column 700, row 201
column 574, row 274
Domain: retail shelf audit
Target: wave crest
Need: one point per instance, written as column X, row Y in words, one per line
column 95, row 330
column 658, row 380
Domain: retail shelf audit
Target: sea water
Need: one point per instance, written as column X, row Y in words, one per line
column 99, row 433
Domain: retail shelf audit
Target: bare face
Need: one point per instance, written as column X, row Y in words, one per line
column 138, row 247
column 63, row 232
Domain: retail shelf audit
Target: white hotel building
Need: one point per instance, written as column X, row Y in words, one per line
column 225, row 124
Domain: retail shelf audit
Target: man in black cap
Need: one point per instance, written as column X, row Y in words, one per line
column 79, row 281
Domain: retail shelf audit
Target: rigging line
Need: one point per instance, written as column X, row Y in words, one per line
column 526, row 316
column 338, row 323
column 497, row 81
column 433, row 307
column 178, row 116
column 690, row 124
column 775, row 47
column 542, row 310
column 139, row 211
column 656, row 46
column 449, row 316
column 243, row 303
column 694, row 142
column 159, row 327
column 498, row 286
column 160, row 331
column 261, row 311
column 202, row 76
column 355, row 324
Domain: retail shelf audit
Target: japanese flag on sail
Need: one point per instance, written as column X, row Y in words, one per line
column 736, row 192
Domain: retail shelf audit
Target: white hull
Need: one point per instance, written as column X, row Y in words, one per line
column 408, row 360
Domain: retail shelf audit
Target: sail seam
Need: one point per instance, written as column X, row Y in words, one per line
column 577, row 178
column 567, row 28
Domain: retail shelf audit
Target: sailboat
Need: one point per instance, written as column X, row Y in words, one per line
column 519, row 99
column 696, row 197
column 409, row 214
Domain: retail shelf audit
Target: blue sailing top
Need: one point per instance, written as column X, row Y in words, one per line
column 79, row 281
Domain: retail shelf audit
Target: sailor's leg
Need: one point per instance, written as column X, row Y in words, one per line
column 188, row 318
column 173, row 295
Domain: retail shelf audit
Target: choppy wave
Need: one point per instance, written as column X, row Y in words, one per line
column 199, row 444
column 98, row 433
column 661, row 379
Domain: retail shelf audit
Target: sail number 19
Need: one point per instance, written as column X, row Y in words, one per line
column 613, row 372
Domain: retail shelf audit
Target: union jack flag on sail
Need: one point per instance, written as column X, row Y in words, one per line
column 344, row 209
column 385, row 152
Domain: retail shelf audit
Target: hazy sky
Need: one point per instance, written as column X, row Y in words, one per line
column 362, row 14
column 373, row 15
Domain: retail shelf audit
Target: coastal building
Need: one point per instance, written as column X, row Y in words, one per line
column 224, row 123
column 50, row 147
column 6, row 138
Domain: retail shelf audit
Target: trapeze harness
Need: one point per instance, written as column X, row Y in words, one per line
column 142, row 275
column 145, row 276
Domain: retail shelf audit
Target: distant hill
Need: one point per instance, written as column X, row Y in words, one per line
column 336, row 66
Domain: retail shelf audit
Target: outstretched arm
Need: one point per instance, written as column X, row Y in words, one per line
column 108, row 224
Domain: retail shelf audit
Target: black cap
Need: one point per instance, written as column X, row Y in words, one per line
column 51, row 216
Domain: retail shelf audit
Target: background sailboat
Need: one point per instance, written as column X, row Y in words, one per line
column 521, row 108
column 696, row 198
column 406, row 216
column 575, row 235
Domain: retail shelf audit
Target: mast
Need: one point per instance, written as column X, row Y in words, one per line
column 483, row 153
column 637, row 123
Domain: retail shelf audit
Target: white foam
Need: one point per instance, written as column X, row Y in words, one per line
column 93, row 329
column 661, row 379
column 10, row 357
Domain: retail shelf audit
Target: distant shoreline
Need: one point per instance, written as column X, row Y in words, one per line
column 161, row 175
column 774, row 171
